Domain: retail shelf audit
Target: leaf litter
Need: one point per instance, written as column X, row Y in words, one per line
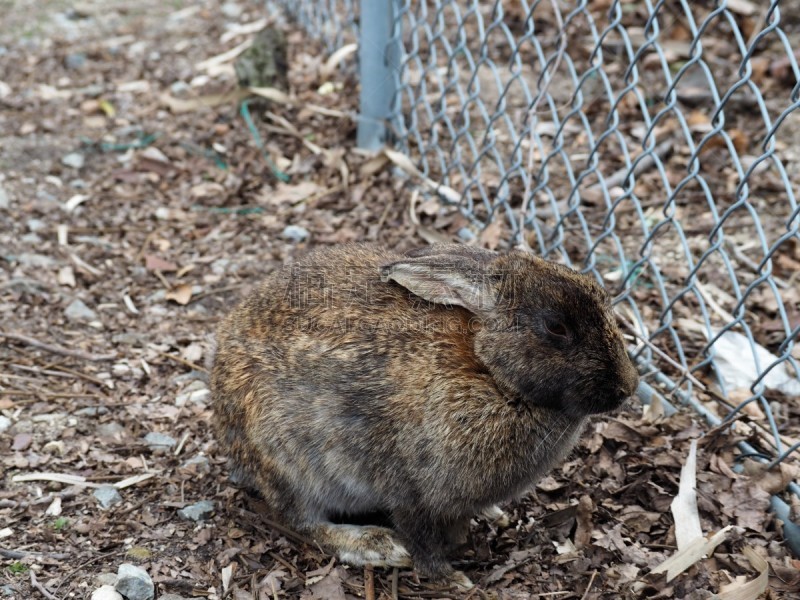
column 160, row 235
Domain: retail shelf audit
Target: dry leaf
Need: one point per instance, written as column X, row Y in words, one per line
column 66, row 276
column 180, row 294
column 154, row 263
column 584, row 526
column 289, row 194
column 492, row 234
column 696, row 550
column 742, row 589
column 772, row 481
column 684, row 505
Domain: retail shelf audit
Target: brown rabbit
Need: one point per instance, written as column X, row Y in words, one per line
column 427, row 386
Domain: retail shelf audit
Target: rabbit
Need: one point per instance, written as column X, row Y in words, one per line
column 428, row 386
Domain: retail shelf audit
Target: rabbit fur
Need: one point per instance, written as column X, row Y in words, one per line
column 429, row 386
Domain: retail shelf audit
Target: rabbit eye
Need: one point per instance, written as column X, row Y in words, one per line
column 556, row 328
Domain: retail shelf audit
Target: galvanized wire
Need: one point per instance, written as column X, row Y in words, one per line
column 666, row 163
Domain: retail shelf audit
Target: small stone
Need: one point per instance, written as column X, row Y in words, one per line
column 195, row 393
column 134, row 583
column 4, row 203
column 198, row 511
column 5, row 423
column 75, row 160
column 31, row 239
column 55, row 447
column 107, row 496
column 78, row 311
column 197, row 465
column 8, row 591
column 159, row 440
column 231, row 10
column 179, row 88
column 36, row 225
column 35, row 260
column 22, row 441
column 91, row 411
column 111, row 430
column 105, row 579
column 466, row 234
column 75, row 60
column 107, row 592
column 295, row 233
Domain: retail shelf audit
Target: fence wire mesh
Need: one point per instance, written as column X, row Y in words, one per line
column 663, row 158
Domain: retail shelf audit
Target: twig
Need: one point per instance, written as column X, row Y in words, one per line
column 394, row 579
column 369, row 583
column 184, row 362
column 219, row 290
column 81, row 566
column 18, row 554
column 56, row 349
column 589, row 587
column 533, row 118
column 40, row 587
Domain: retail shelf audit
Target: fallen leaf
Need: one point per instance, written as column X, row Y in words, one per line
column 180, row 294
column 154, row 263
column 492, row 234
column 289, row 194
column 66, row 276
column 584, row 526
column 695, row 551
column 741, row 589
column 684, row 505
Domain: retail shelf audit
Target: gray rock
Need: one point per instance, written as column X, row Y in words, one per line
column 159, row 440
column 134, row 583
column 91, row 411
column 199, row 511
column 107, row 496
column 197, row 464
column 295, row 233
column 5, row 423
column 231, row 10
column 75, row 160
column 75, row 60
column 466, row 234
column 78, row 311
column 179, row 88
column 106, row 592
column 4, row 203
column 8, row 590
column 31, row 239
column 105, row 579
column 29, row 259
column 112, row 429
column 36, row 225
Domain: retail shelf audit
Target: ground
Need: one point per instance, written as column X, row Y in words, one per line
column 133, row 219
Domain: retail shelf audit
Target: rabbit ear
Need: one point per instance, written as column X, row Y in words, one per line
column 457, row 281
column 454, row 251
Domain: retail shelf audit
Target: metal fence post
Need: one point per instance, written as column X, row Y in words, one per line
column 379, row 60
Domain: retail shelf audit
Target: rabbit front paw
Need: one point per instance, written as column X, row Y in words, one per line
column 363, row 545
column 496, row 516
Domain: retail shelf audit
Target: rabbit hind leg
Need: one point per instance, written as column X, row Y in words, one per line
column 356, row 545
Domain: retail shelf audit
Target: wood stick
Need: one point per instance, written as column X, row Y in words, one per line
column 18, row 337
column 369, row 583
column 40, row 587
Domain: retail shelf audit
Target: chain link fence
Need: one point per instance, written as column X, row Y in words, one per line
column 663, row 157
